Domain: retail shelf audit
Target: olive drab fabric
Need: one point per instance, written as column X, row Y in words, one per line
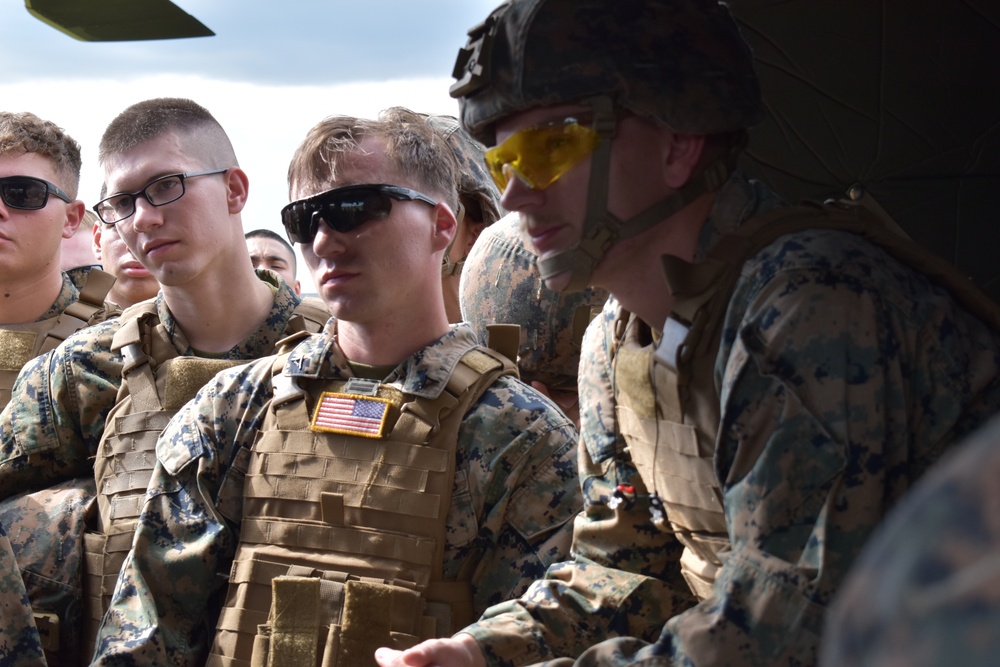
column 360, row 515
column 19, row 343
column 156, row 381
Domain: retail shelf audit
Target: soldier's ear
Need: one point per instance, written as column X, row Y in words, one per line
column 74, row 217
column 681, row 154
column 445, row 226
column 237, row 188
column 96, row 241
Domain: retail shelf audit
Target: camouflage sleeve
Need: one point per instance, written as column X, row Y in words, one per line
column 623, row 579
column 20, row 643
column 50, row 430
column 925, row 591
column 842, row 376
column 164, row 608
column 516, row 475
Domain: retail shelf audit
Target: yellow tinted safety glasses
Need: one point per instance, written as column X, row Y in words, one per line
column 539, row 155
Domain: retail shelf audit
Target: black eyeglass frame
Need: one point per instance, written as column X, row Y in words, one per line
column 144, row 193
column 299, row 217
column 50, row 189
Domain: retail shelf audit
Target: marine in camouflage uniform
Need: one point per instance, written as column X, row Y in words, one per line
column 479, row 205
column 34, row 148
column 455, row 498
column 926, row 591
column 514, row 489
column 502, row 286
column 765, row 382
column 51, row 431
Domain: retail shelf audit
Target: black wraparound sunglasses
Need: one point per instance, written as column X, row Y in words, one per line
column 29, row 193
column 344, row 209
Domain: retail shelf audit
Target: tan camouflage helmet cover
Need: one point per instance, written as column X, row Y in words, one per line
column 681, row 62
column 501, row 285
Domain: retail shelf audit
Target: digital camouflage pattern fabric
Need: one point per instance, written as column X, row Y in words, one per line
column 51, row 429
column 20, row 644
column 660, row 60
column 926, row 589
column 502, row 286
column 843, row 376
column 515, row 492
column 47, row 526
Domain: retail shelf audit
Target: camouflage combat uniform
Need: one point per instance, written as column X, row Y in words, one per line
column 49, row 433
column 926, row 589
column 20, row 644
column 841, row 376
column 515, row 491
column 20, row 343
column 52, row 555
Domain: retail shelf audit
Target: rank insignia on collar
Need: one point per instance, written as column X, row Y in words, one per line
column 350, row 414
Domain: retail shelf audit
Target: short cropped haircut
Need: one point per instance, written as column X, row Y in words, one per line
column 413, row 148
column 24, row 132
column 150, row 119
column 268, row 234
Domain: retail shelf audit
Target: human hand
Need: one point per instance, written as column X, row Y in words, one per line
column 458, row 651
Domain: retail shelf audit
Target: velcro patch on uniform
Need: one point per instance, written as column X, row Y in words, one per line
column 350, row 414
column 15, row 349
column 186, row 375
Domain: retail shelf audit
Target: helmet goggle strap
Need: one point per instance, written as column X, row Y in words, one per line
column 447, row 267
column 602, row 229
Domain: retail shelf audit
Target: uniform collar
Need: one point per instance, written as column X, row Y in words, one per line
column 425, row 373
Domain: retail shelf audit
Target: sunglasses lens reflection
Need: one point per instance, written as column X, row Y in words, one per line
column 24, row 193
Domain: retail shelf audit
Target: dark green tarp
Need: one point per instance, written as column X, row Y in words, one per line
column 899, row 96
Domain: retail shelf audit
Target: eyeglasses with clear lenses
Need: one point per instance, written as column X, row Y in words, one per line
column 163, row 190
column 539, row 155
column 344, row 209
column 28, row 193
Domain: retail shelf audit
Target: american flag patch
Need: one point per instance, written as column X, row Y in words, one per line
column 350, row 414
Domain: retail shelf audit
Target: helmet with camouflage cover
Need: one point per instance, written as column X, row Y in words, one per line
column 680, row 63
column 477, row 193
column 501, row 285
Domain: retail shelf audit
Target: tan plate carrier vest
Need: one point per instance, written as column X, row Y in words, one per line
column 20, row 343
column 342, row 536
column 156, row 383
column 671, row 432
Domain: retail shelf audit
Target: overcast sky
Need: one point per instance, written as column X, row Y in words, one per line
column 272, row 71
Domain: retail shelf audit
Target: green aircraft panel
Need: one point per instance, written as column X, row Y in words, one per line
column 117, row 20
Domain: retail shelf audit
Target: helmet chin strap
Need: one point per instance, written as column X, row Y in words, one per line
column 601, row 229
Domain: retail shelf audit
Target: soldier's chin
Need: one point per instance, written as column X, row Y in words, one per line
column 559, row 281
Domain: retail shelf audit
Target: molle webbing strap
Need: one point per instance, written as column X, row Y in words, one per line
column 133, row 339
